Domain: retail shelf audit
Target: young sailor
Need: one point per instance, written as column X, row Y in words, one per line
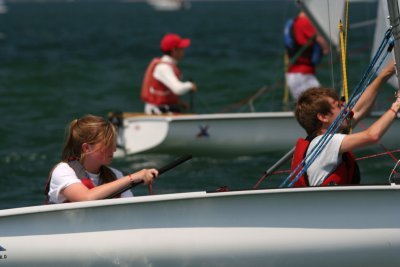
column 316, row 110
column 83, row 173
column 305, row 47
column 162, row 83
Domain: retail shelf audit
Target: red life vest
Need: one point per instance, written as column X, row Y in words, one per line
column 304, row 35
column 346, row 173
column 154, row 91
column 82, row 175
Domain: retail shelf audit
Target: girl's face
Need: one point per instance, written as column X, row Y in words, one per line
column 98, row 154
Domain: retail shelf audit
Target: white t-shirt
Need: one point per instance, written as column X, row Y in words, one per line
column 63, row 176
column 326, row 161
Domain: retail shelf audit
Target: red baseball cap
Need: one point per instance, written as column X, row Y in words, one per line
column 172, row 40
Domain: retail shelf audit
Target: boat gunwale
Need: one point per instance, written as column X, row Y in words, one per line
column 183, row 196
column 214, row 116
column 217, row 116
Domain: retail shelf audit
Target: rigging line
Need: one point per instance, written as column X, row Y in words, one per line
column 368, row 74
column 277, row 165
column 346, row 25
column 378, row 53
column 344, row 33
column 381, row 145
column 287, row 171
column 355, row 96
column 242, row 104
column 345, row 90
column 330, row 45
column 357, row 159
column 309, row 159
column 363, row 24
column 393, row 172
column 337, row 124
column 378, row 154
column 373, row 62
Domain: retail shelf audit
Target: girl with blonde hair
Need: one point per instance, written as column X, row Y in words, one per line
column 83, row 173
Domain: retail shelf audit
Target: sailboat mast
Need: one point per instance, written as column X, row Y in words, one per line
column 393, row 8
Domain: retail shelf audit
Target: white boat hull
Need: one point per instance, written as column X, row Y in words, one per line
column 335, row 226
column 213, row 134
column 168, row 5
column 231, row 134
column 3, row 7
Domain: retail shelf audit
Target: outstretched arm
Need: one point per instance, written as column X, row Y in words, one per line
column 374, row 133
column 367, row 100
column 79, row 192
column 323, row 43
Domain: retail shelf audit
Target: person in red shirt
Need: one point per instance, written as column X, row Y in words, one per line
column 306, row 51
column 162, row 83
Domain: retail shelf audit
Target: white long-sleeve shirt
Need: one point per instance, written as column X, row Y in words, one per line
column 165, row 74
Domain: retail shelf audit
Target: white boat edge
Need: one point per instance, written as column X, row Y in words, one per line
column 211, row 116
column 182, row 196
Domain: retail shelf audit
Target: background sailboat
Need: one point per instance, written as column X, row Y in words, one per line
column 168, row 5
column 231, row 134
column 327, row 13
column 3, row 7
column 326, row 16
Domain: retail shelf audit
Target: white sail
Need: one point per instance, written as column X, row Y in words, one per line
column 382, row 24
column 326, row 15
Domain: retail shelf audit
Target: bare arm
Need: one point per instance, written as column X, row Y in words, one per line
column 79, row 192
column 374, row 133
column 366, row 101
column 323, row 43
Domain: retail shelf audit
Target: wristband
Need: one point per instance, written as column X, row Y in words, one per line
column 394, row 111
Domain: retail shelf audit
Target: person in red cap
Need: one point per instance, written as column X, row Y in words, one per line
column 162, row 83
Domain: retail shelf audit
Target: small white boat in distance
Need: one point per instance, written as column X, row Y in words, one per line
column 354, row 226
column 3, row 7
column 230, row 134
column 169, row 5
column 216, row 135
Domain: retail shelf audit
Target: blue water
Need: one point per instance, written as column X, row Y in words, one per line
column 59, row 61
